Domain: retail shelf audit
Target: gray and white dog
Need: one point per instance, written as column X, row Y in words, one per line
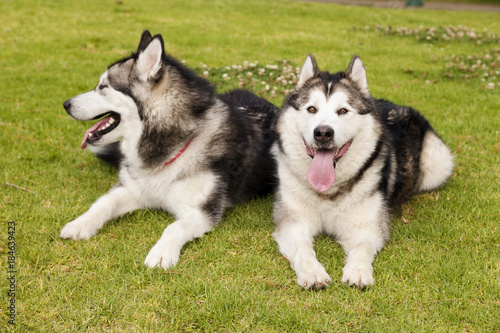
column 179, row 146
column 346, row 162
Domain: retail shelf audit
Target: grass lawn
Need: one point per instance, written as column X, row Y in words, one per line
column 440, row 272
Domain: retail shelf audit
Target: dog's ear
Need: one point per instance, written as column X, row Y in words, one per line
column 357, row 73
column 145, row 39
column 150, row 59
column 308, row 71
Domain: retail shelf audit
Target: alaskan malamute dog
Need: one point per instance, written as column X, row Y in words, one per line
column 179, row 146
column 346, row 162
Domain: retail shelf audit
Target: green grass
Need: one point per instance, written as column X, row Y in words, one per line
column 491, row 2
column 440, row 272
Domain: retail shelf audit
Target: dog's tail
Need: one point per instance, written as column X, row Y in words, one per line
column 436, row 162
column 110, row 153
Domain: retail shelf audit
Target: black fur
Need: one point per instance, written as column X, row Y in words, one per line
column 181, row 148
column 392, row 154
column 402, row 133
column 242, row 158
column 248, row 113
column 246, row 168
column 111, row 154
column 404, row 129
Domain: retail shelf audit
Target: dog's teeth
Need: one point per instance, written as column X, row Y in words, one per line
column 107, row 125
column 90, row 134
column 112, row 120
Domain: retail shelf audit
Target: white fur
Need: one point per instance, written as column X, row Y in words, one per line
column 307, row 71
column 99, row 101
column 358, row 75
column 149, row 61
column 354, row 213
column 144, row 188
column 116, row 202
column 353, row 219
column 295, row 127
column 345, row 126
column 434, row 153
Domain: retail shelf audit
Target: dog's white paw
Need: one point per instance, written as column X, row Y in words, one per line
column 313, row 276
column 162, row 256
column 78, row 230
column 359, row 275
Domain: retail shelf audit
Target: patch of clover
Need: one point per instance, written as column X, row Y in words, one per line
column 441, row 33
column 484, row 67
column 268, row 81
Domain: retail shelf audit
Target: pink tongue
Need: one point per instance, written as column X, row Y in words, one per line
column 92, row 129
column 321, row 173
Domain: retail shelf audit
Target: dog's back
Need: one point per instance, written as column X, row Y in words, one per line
column 255, row 133
column 421, row 161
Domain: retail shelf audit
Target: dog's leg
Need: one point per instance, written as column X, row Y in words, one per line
column 358, row 269
column 116, row 202
column 295, row 242
column 365, row 236
column 166, row 251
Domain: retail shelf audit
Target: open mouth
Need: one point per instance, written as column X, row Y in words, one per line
column 101, row 128
column 336, row 154
column 321, row 173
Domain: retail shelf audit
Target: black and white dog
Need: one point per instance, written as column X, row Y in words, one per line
column 346, row 162
column 179, row 146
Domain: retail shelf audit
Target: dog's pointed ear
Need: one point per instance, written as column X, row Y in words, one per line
column 145, row 39
column 357, row 73
column 150, row 59
column 308, row 71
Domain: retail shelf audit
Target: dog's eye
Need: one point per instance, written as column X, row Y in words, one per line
column 311, row 109
column 342, row 111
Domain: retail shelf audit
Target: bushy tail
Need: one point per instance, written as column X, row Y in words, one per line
column 436, row 162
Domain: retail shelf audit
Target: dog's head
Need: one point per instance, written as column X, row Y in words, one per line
column 329, row 111
column 114, row 100
column 148, row 97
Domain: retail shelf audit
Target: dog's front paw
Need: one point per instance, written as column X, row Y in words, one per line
column 161, row 256
column 78, row 230
column 313, row 276
column 360, row 276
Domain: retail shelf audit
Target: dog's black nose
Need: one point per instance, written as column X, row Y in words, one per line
column 323, row 134
column 67, row 104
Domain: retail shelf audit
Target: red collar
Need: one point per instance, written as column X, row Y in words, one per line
column 178, row 154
